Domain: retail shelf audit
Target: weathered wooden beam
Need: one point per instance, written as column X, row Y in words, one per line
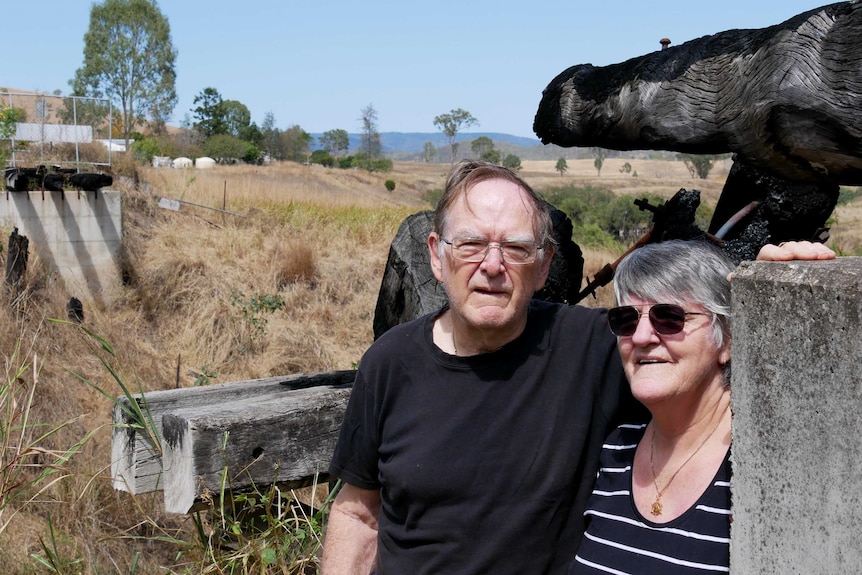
column 272, row 438
column 136, row 466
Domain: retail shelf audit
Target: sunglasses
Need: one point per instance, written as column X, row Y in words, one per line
column 666, row 319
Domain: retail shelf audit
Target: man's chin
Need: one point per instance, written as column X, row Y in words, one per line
column 489, row 317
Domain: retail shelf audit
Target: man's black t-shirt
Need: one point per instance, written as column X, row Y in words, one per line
column 484, row 463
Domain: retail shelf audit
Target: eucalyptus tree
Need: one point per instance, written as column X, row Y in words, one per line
column 452, row 123
column 370, row 143
column 335, row 141
column 130, row 59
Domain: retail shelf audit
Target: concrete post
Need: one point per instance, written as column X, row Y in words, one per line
column 77, row 234
column 797, row 418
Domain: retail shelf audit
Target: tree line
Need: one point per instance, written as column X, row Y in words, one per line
column 129, row 59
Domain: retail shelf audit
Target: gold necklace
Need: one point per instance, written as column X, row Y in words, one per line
column 657, row 506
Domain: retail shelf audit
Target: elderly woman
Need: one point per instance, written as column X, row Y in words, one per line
column 661, row 503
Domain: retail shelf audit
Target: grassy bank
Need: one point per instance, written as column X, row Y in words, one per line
column 282, row 277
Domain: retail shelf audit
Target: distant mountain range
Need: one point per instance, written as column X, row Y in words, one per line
column 406, row 144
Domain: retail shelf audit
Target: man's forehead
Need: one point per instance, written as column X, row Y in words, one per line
column 470, row 215
column 501, row 194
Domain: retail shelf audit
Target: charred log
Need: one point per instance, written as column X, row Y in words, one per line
column 91, row 182
column 783, row 98
column 16, row 260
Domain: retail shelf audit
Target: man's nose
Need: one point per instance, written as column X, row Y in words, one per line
column 493, row 261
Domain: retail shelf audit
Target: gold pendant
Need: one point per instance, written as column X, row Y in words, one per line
column 656, row 508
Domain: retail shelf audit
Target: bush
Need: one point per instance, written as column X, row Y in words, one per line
column 433, row 196
column 322, row 157
column 145, row 149
column 512, row 162
column 616, row 216
column 390, row 185
column 847, row 195
column 225, row 148
column 379, row 165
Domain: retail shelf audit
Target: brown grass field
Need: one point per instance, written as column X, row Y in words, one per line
column 316, row 237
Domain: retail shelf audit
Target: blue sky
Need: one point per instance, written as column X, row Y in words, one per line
column 318, row 63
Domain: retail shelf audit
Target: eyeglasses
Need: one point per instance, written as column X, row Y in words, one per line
column 666, row 319
column 474, row 250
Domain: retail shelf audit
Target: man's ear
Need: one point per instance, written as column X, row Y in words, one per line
column 434, row 254
column 544, row 270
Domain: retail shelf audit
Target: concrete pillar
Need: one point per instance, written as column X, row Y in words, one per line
column 78, row 234
column 797, row 418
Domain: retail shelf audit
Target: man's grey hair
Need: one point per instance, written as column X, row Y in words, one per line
column 467, row 173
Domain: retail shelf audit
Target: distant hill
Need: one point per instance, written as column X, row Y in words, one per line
column 409, row 145
column 414, row 142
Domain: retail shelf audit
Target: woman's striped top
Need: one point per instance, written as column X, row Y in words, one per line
column 619, row 540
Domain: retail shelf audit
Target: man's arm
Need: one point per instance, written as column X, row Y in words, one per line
column 350, row 546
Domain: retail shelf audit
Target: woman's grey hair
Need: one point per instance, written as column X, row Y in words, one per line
column 467, row 173
column 680, row 272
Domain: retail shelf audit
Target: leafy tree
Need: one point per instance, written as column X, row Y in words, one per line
column 209, row 113
column 335, row 141
column 270, row 136
column 295, row 143
column 562, row 166
column 512, row 162
column 146, row 148
column 322, row 157
column 227, row 148
column 483, row 147
column 370, row 140
column 452, row 123
column 161, row 109
column 699, row 165
column 252, row 135
column 429, row 152
column 626, row 168
column 599, row 154
column 236, row 117
column 8, row 118
column 129, row 58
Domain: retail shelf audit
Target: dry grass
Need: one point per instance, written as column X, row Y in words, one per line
column 317, row 238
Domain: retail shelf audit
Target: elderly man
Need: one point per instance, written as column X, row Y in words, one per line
column 472, row 436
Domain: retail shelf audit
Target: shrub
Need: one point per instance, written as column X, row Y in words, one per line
column 433, row 196
column 322, row 157
column 294, row 263
column 146, row 149
column 512, row 162
column 390, row 185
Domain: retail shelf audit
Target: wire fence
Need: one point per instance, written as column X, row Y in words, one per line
column 62, row 131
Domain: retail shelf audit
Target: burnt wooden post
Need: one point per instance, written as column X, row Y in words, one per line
column 782, row 99
column 16, row 261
